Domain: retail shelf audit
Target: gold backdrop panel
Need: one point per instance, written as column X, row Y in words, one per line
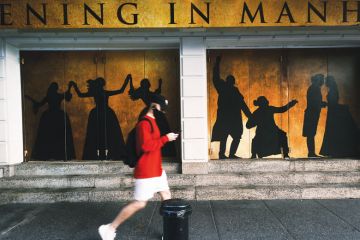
column 118, row 65
column 257, row 73
column 38, row 71
column 235, row 63
column 152, row 65
column 264, row 76
column 80, row 66
column 164, row 65
column 302, row 64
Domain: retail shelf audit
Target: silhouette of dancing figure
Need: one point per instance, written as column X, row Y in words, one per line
column 312, row 112
column 104, row 138
column 144, row 93
column 229, row 118
column 54, row 138
column 269, row 138
column 341, row 137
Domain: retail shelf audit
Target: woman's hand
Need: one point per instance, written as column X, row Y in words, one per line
column 172, row 136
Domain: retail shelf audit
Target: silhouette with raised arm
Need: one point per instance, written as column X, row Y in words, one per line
column 312, row 112
column 341, row 137
column 54, row 140
column 229, row 118
column 269, row 138
column 144, row 93
column 104, row 138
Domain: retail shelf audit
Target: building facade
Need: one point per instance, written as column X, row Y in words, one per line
column 270, row 49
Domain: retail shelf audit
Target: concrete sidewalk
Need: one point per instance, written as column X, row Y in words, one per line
column 279, row 219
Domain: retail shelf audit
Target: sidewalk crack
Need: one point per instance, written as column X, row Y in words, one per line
column 151, row 218
column 213, row 219
column 341, row 218
column 278, row 219
column 31, row 215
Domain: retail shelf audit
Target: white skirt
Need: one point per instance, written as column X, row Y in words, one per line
column 145, row 188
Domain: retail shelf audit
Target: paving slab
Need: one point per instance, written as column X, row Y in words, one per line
column 247, row 220
column 348, row 210
column 335, row 236
column 15, row 215
column 306, row 219
column 77, row 221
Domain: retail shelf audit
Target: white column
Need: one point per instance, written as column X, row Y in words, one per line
column 194, row 105
column 11, row 134
column 3, row 122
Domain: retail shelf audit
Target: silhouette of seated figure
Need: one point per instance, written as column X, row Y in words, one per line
column 54, row 138
column 269, row 138
column 104, row 138
column 144, row 93
column 341, row 137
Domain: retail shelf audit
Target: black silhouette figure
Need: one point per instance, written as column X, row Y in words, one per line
column 144, row 93
column 269, row 138
column 229, row 117
column 312, row 112
column 54, row 140
column 341, row 137
column 104, row 138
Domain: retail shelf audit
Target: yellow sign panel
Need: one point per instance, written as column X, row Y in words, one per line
column 57, row 14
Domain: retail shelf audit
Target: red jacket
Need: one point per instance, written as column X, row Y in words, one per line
column 148, row 145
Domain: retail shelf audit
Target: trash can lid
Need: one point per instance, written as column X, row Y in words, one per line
column 175, row 208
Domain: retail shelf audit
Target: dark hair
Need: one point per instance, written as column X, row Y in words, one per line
column 330, row 82
column 261, row 101
column 144, row 111
column 145, row 83
column 53, row 88
column 317, row 78
column 100, row 81
column 230, row 79
column 161, row 100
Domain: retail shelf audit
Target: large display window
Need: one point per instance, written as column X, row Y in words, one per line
column 82, row 104
column 284, row 103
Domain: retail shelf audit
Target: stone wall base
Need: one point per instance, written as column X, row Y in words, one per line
column 7, row 171
column 195, row 168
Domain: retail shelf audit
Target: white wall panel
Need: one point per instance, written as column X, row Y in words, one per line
column 194, row 149
column 14, row 108
column 3, row 152
column 194, row 100
column 194, row 87
column 194, row 107
column 3, row 130
column 193, row 66
column 2, row 88
column 2, row 110
column 2, row 67
column 194, row 128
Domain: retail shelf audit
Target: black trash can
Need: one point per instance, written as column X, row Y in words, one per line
column 175, row 214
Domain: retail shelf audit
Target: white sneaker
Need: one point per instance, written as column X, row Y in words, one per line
column 107, row 232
